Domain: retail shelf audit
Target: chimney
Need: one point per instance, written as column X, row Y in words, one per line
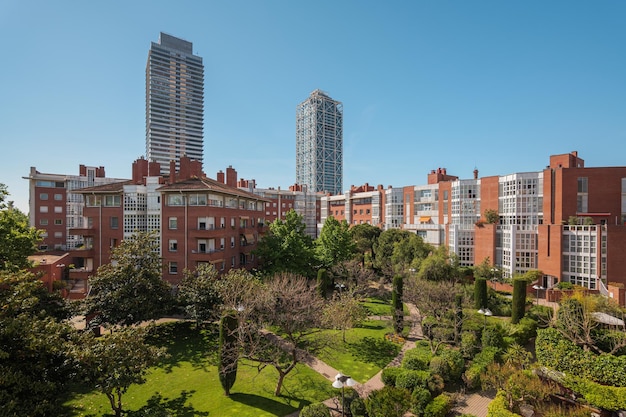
column 475, row 174
column 220, row 176
column 231, row 177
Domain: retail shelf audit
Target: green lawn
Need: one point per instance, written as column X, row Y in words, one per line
column 187, row 384
column 377, row 307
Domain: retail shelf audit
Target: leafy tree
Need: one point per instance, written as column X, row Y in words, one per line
column 287, row 248
column 115, row 362
column 17, row 239
column 335, row 243
column 198, row 293
column 484, row 269
column 365, row 237
column 130, row 289
column 384, row 248
column 396, row 301
column 228, row 350
column 344, row 312
column 492, row 216
column 353, row 275
column 35, row 347
column 409, row 253
column 439, row 266
column 519, row 300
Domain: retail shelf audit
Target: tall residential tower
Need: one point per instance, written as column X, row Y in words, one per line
column 174, row 102
column 319, row 143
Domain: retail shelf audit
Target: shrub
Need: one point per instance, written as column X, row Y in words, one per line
column 409, row 379
column 492, row 337
column 479, row 365
column 388, row 402
column 417, row 358
column 518, row 305
column 449, row 364
column 435, row 384
column 469, row 344
column 419, row 399
column 357, row 408
column 389, row 375
column 396, row 302
column 600, row 396
column 439, row 406
column 315, row 410
column 523, row 331
column 498, row 407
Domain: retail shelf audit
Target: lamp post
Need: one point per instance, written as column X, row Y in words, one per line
column 341, row 381
column 538, row 287
column 485, row 312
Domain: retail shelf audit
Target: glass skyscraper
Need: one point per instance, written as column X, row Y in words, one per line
column 174, row 102
column 319, row 143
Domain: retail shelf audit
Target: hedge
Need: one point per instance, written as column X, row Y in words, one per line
column 410, row 379
column 597, row 395
column 417, row 358
column 315, row 410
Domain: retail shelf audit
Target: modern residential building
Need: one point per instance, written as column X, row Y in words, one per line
column 174, row 102
column 55, row 207
column 198, row 220
column 359, row 205
column 319, row 143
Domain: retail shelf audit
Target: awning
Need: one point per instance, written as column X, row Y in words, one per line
column 216, row 261
column 424, row 219
column 250, row 238
column 244, row 217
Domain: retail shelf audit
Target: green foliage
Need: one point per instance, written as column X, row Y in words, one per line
column 315, row 410
column 449, row 364
column 287, row 247
column 335, row 243
column 439, row 406
column 410, row 379
column 228, row 352
column 409, row 253
column 491, row 216
column 518, row 306
column 597, row 395
column 438, row 266
column 420, row 397
column 498, row 407
column 130, row 289
column 198, row 293
column 556, row 352
column 388, row 402
column 499, row 304
column 365, row 236
column 493, row 336
column 523, row 331
column 479, row 365
column 417, row 358
column 435, row 384
column 322, row 282
column 396, row 302
column 17, row 239
column 564, row 285
column 390, row 375
column 384, row 249
column 470, row 344
column 357, row 407
column 114, row 362
column 480, row 293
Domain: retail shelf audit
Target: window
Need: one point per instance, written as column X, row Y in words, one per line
column 175, row 200
column 222, row 222
column 43, row 209
column 197, row 200
column 114, row 222
column 58, row 209
column 43, row 222
column 173, row 223
column 58, row 222
column 232, row 222
column 113, row 242
column 58, row 234
column 58, row 197
column 232, row 262
column 43, row 196
column 222, row 243
column 112, row 200
column 232, row 241
column 173, row 245
column 173, row 267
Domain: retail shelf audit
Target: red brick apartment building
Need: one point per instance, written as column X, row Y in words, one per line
column 198, row 219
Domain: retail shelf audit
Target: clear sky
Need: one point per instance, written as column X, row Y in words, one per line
column 493, row 85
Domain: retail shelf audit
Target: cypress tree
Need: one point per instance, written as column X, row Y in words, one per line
column 480, row 293
column 228, row 351
column 396, row 301
column 322, row 282
column 458, row 317
column 518, row 306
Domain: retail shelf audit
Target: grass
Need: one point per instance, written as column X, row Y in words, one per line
column 187, row 384
column 377, row 307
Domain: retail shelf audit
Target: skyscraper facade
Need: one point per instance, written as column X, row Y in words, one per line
column 319, row 143
column 174, row 102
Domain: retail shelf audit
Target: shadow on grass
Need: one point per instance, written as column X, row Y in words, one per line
column 186, row 343
column 374, row 325
column 157, row 406
column 372, row 350
column 266, row 404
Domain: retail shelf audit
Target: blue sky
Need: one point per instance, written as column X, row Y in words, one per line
column 496, row 85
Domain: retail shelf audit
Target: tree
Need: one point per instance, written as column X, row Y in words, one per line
column 439, row 266
column 228, row 350
column 287, row 248
column 198, row 293
column 492, row 216
column 384, row 247
column 409, row 253
column 36, row 342
column 480, row 293
column 17, row 239
column 354, row 277
column 396, row 301
column 365, row 237
column 130, row 289
column 344, row 312
column 335, row 243
column 518, row 306
column 388, row 402
column 114, row 362
column 291, row 307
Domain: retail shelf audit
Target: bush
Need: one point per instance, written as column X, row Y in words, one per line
column 523, row 331
column 600, row 396
column 357, row 408
column 410, row 379
column 469, row 344
column 417, row 358
column 492, row 337
column 439, row 406
column 315, row 410
column 389, row 375
column 479, row 365
column 419, row 399
column 449, row 364
column 435, row 384
column 498, row 407
column 388, row 402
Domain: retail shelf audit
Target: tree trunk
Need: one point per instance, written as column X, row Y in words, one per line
column 279, row 384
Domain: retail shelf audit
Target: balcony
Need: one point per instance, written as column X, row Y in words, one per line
column 82, row 231
column 80, row 273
